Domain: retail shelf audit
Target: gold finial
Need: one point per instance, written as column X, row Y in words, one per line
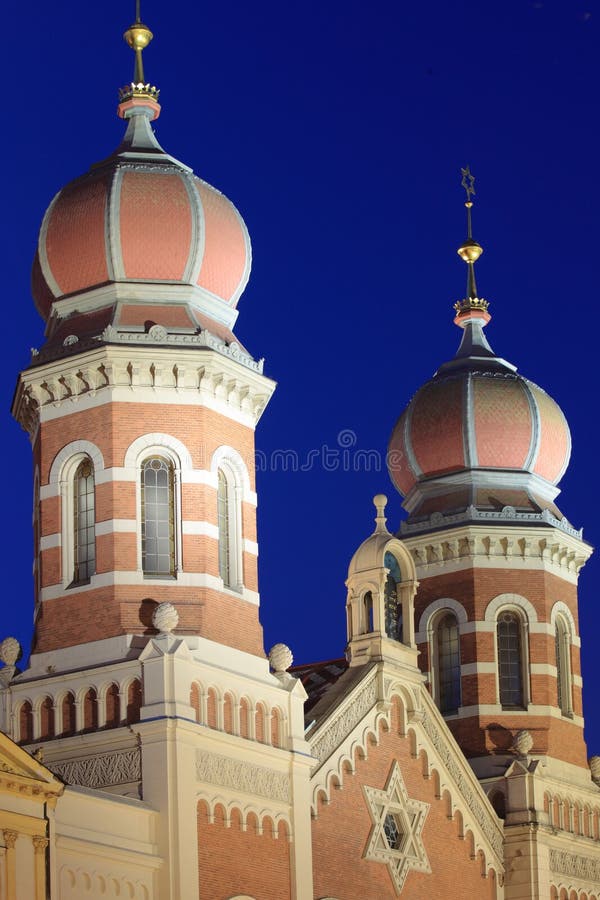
column 138, row 36
column 470, row 250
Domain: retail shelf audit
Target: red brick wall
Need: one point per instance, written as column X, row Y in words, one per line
column 233, row 861
column 474, row 589
column 114, row 426
column 104, row 612
column 342, row 830
column 125, row 609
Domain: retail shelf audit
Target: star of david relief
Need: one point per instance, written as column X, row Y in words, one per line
column 395, row 837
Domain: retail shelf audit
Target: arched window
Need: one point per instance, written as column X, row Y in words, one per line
column 244, row 718
column 68, row 715
column 36, row 539
column 224, row 528
column 112, row 706
column 368, row 610
column 134, row 701
column 46, row 719
column 448, row 664
column 392, row 603
column 84, row 522
column 510, row 660
column 26, row 723
column 563, row 667
column 90, row 710
column 158, row 517
column 229, row 520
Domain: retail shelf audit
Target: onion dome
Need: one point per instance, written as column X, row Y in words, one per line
column 478, row 433
column 141, row 225
column 478, row 418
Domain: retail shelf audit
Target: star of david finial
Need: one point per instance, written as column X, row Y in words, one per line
column 398, row 822
column 470, row 250
column 468, row 182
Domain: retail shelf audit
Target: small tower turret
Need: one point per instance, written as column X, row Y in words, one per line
column 381, row 588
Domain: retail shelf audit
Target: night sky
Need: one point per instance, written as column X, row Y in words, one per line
column 338, row 129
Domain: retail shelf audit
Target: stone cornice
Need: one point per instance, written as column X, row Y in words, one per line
column 473, row 514
column 213, row 377
column 24, row 786
column 156, row 336
column 146, row 292
column 438, row 486
column 453, row 549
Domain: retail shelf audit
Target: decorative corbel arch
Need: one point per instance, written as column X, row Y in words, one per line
column 65, row 456
column 510, row 600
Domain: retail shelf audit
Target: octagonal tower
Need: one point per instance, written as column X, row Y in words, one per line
column 477, row 455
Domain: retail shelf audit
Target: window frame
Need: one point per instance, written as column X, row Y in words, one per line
column 76, row 527
column 234, row 537
column 562, row 646
column 60, row 483
column 523, row 633
column 436, row 666
column 67, row 499
column 162, row 454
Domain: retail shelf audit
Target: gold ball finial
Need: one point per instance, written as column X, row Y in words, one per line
column 470, row 251
column 138, row 36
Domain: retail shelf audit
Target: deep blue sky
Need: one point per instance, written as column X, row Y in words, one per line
column 338, row 129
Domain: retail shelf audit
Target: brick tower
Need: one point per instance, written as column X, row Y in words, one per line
column 478, row 454
column 148, row 676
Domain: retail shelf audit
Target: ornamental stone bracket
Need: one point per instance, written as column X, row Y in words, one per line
column 562, row 549
column 215, row 377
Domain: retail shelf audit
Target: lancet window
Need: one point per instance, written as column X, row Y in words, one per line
column 392, row 601
column 448, row 664
column 563, row 667
column 510, row 660
column 158, row 517
column 224, row 521
column 229, row 521
column 84, row 522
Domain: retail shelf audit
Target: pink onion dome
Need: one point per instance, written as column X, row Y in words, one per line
column 478, row 418
column 137, row 220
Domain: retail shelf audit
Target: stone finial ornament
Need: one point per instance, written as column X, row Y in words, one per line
column 165, row 618
column 280, row 658
column 595, row 768
column 380, row 503
column 522, row 742
column 10, row 651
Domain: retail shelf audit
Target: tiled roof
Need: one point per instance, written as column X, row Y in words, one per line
column 318, row 677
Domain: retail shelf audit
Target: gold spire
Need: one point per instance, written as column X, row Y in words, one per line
column 138, row 36
column 470, row 251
